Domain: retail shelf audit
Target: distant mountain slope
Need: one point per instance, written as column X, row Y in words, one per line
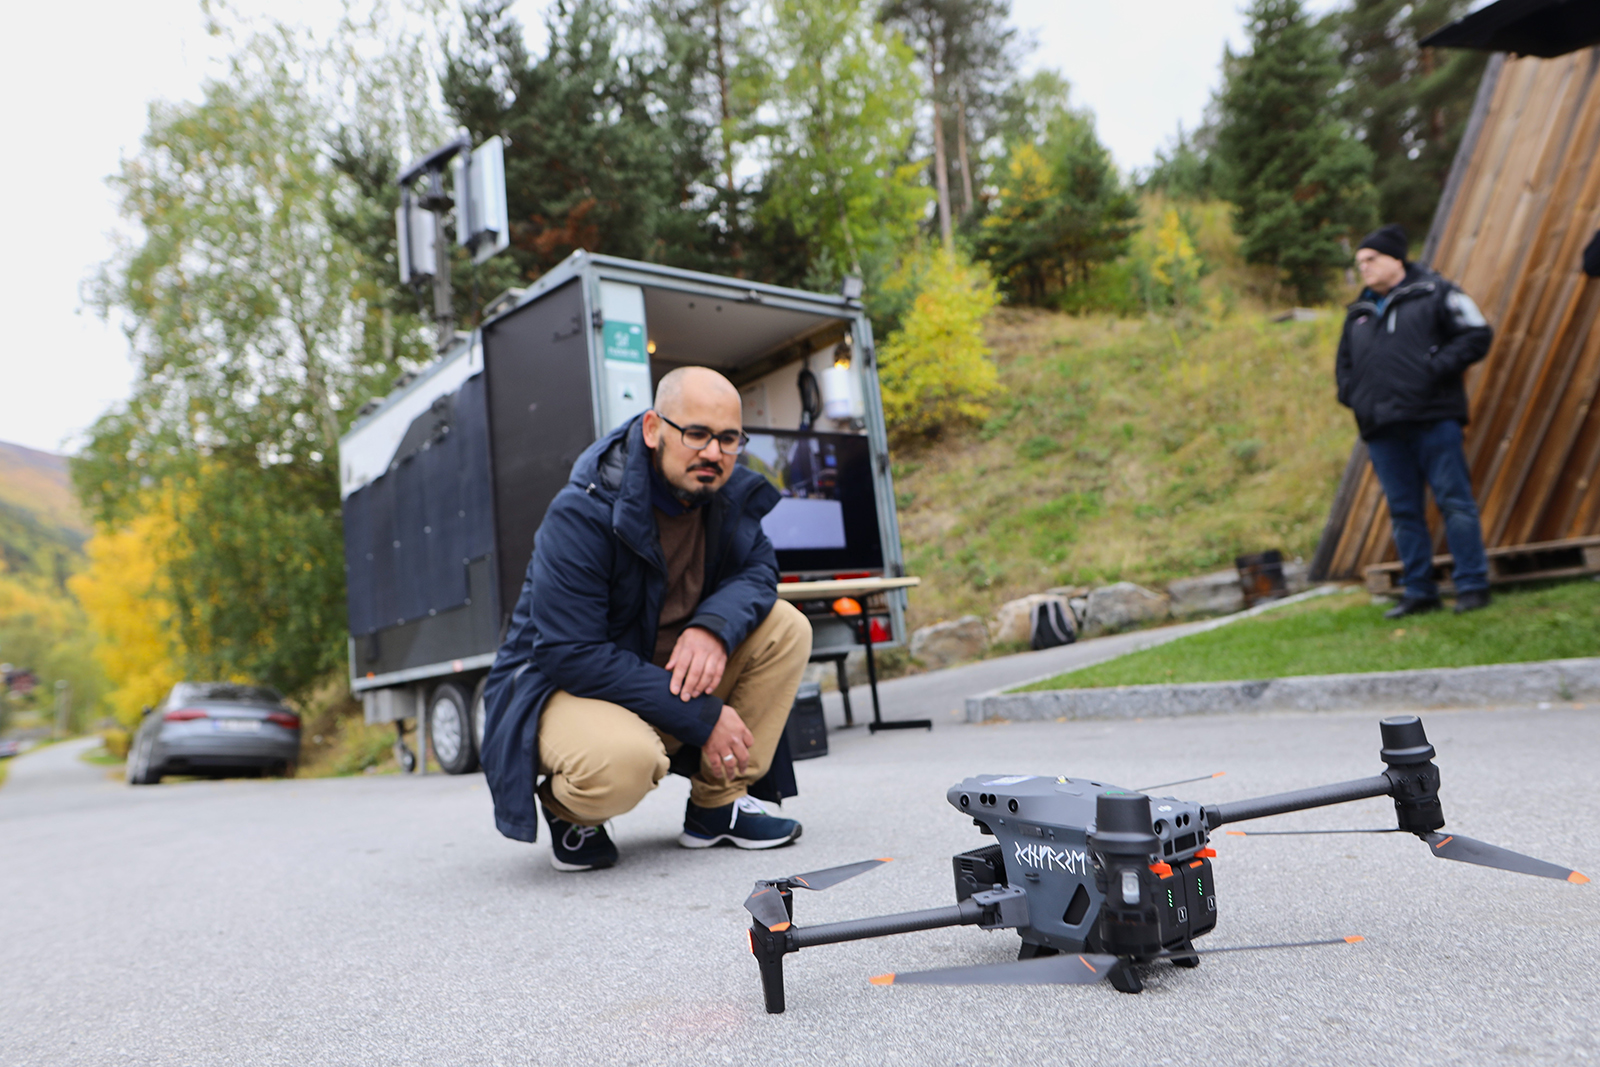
column 38, row 483
column 42, row 529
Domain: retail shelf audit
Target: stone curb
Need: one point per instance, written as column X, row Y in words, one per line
column 1499, row 684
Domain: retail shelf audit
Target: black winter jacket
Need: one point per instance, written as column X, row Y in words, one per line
column 586, row 619
column 1405, row 364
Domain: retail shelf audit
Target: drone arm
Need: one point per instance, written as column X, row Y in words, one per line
column 1378, row 785
column 967, row 913
column 1004, row 907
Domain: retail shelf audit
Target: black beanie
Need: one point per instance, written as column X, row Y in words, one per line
column 1390, row 240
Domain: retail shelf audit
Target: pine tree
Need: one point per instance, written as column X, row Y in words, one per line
column 1063, row 208
column 963, row 47
column 1408, row 105
column 597, row 157
column 1299, row 179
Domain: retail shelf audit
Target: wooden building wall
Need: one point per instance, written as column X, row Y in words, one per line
column 1522, row 201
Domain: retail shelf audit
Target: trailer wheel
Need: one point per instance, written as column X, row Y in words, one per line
column 478, row 711
column 450, row 725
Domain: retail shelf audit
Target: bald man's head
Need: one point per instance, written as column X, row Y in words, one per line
column 695, row 382
column 692, row 398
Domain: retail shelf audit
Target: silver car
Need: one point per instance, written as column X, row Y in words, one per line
column 215, row 728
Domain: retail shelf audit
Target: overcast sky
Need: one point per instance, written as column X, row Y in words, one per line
column 77, row 86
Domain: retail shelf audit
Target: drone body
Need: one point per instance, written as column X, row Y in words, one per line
column 1043, row 827
column 1099, row 881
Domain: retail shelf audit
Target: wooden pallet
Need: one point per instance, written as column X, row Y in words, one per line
column 1513, row 563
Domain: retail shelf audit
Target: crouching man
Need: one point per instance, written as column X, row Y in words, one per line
column 649, row 638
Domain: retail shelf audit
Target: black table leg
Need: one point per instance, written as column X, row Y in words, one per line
column 840, row 664
column 877, row 722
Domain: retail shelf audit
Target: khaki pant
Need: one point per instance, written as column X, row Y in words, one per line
column 602, row 759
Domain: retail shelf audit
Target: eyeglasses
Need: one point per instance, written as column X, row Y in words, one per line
column 699, row 438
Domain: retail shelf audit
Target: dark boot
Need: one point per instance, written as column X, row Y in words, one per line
column 1412, row 606
column 1471, row 600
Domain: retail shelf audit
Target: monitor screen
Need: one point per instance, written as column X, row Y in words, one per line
column 828, row 517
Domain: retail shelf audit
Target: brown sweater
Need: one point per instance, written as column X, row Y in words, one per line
column 683, row 544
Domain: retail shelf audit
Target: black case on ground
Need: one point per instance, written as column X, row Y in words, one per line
column 807, row 729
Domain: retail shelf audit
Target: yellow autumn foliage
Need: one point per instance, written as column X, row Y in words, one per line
column 42, row 631
column 1175, row 263
column 936, row 369
column 123, row 593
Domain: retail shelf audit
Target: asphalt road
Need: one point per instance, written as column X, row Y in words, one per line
column 381, row 920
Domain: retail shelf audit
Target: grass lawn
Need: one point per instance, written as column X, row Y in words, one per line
column 1346, row 634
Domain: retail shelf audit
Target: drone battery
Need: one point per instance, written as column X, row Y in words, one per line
column 1201, row 889
column 1186, row 902
column 807, row 730
column 979, row 870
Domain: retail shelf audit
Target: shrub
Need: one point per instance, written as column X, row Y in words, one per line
column 936, row 369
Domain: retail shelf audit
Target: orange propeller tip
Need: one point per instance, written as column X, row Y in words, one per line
column 1353, row 938
column 1577, row 879
column 885, row 859
column 1219, row 774
column 882, row 979
column 1237, row 833
column 780, row 928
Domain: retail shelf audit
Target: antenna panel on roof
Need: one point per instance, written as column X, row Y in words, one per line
column 482, row 220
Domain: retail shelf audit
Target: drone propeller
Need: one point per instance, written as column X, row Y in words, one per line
column 1182, row 781
column 1467, row 850
column 1085, row 969
column 1455, row 847
column 1293, row 833
column 765, row 902
column 1191, row 953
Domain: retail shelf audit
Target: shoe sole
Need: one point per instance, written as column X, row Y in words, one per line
column 562, row 865
column 688, row 840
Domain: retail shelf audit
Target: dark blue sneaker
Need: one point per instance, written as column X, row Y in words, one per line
column 744, row 824
column 579, row 848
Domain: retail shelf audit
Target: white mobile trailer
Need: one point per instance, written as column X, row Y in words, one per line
column 445, row 481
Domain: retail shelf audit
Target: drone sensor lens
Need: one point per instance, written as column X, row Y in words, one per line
column 1012, row 804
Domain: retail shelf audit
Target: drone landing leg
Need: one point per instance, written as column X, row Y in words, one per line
column 1122, row 978
column 1030, row 951
column 768, row 949
column 1186, row 961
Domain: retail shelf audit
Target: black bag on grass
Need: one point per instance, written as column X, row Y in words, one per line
column 1050, row 626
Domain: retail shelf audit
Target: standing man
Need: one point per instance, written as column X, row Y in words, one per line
column 1407, row 340
column 649, row 638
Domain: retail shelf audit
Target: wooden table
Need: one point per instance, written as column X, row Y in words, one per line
column 855, row 588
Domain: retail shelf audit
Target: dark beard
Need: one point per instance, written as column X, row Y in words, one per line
column 689, row 498
column 692, row 499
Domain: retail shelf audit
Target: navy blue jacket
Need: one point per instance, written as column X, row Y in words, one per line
column 1403, row 364
column 586, row 619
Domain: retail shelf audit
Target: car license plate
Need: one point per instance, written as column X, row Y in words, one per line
column 238, row 726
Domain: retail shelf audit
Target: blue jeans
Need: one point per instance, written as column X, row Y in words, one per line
column 1409, row 458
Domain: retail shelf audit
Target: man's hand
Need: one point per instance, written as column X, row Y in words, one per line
column 697, row 663
column 727, row 750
